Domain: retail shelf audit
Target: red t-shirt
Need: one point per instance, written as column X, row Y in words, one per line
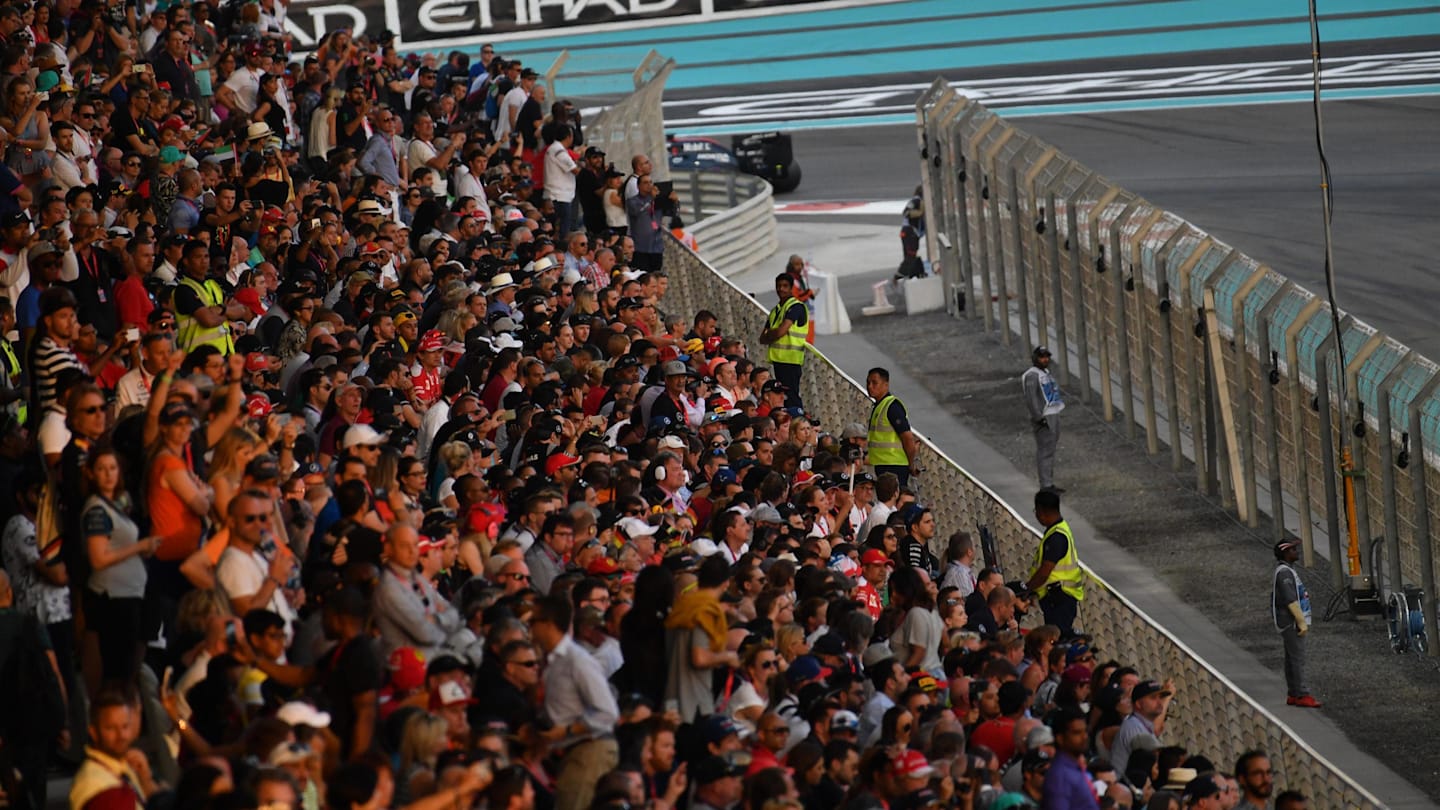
column 998, row 735
column 871, row 599
column 427, row 386
column 132, row 303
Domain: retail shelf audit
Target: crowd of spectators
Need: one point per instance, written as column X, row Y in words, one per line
column 352, row 458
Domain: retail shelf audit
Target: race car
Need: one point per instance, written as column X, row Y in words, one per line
column 766, row 155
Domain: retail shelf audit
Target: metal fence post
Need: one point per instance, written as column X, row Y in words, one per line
column 1245, row 425
column 1057, row 292
column 1272, row 418
column 1142, row 329
column 997, row 265
column 1357, row 473
column 1167, row 350
column 1327, row 452
column 1121, row 339
column 1387, row 473
column 1199, row 376
column 923, row 107
column 982, row 258
column 959, row 176
column 1037, row 260
column 1420, row 493
column 1021, row 288
column 1297, row 433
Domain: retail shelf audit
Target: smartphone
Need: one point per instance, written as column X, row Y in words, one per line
column 137, row 68
column 43, row 95
column 314, row 223
column 506, row 416
column 229, row 632
column 132, row 335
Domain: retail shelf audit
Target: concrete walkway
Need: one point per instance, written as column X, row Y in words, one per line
column 864, row 253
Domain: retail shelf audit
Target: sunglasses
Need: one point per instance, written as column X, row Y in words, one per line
column 518, row 577
column 93, row 409
column 263, row 517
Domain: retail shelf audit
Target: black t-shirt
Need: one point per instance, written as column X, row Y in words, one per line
column 1055, row 547
column 587, row 183
column 525, row 123
column 122, row 126
column 349, row 671
column 798, row 313
column 187, row 301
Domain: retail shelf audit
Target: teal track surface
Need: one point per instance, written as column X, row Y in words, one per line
column 940, row 36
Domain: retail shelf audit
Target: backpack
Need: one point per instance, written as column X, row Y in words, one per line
column 41, row 715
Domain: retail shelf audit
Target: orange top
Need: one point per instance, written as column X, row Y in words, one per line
column 171, row 520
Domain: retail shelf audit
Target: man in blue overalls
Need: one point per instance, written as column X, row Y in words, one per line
column 1290, row 608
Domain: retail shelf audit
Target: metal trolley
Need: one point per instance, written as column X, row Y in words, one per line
column 1405, row 619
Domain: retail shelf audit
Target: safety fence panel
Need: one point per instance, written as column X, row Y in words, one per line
column 1208, row 712
column 1045, row 250
column 635, row 125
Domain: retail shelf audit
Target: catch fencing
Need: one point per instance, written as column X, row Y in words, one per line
column 635, row 125
column 1208, row 711
column 1045, row 250
column 731, row 216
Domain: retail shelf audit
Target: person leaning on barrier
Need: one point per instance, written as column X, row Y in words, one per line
column 785, row 332
column 1290, row 608
column 890, row 442
column 1044, row 402
column 1056, row 574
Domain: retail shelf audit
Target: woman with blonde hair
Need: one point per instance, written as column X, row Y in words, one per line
column 227, row 466
column 321, row 133
column 790, row 643
column 459, row 460
column 758, row 664
column 424, row 737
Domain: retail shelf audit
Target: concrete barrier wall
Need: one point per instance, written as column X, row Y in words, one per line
column 731, row 216
column 1209, row 713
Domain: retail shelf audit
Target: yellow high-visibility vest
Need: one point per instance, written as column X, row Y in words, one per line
column 884, row 446
column 789, row 347
column 1066, row 573
column 190, row 333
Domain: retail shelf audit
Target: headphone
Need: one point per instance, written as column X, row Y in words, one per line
column 659, row 475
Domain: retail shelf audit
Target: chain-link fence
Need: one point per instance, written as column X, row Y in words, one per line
column 1047, row 251
column 1209, row 713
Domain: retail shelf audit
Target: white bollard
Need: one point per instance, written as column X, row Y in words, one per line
column 882, row 305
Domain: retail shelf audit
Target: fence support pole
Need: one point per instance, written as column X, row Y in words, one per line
column 1242, row 376
column 1167, row 345
column 1037, row 252
column 1022, row 289
column 1272, row 417
column 1327, row 455
column 982, row 230
column 1199, row 375
column 1297, row 433
column 1122, row 326
column 1057, row 291
column 1420, row 493
column 1357, row 473
column 1387, row 475
column 1077, row 285
column 1092, row 231
column 1142, row 330
column 994, row 173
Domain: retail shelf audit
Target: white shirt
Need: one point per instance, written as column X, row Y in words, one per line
column 246, row 84
column 133, row 388
column 53, row 434
column 559, row 177
column 420, row 154
column 514, row 100
column 243, row 573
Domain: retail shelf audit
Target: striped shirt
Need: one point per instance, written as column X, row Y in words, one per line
column 50, row 359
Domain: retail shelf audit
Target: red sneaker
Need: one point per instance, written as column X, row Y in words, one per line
column 1305, row 702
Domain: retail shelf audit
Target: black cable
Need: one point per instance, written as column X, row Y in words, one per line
column 1328, row 208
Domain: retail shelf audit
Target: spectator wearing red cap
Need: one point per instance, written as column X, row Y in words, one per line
column 406, row 682
column 874, row 573
column 425, row 375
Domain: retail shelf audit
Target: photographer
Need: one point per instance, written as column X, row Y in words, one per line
column 646, row 219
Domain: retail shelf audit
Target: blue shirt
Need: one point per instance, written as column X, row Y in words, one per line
column 1067, row 786
column 27, row 309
